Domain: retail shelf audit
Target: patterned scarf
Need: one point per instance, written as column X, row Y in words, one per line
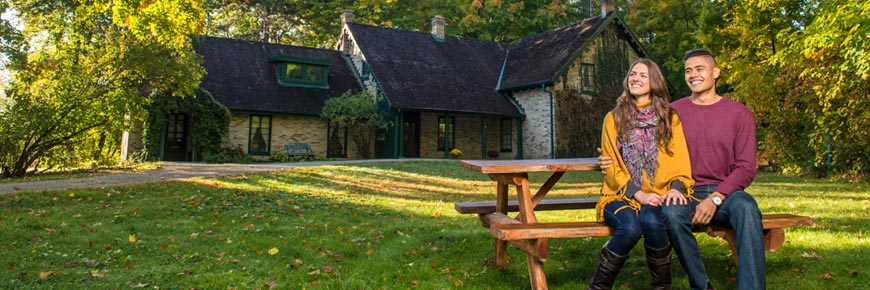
column 640, row 152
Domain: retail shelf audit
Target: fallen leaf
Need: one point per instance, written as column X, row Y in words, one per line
column 457, row 283
column 273, row 251
column 796, row 270
column 45, row 275
column 370, row 252
column 827, row 276
column 140, row 285
column 132, row 239
column 315, row 272
column 297, row 263
column 328, row 269
column 853, row 272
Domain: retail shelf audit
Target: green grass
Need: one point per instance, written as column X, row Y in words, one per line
column 371, row 226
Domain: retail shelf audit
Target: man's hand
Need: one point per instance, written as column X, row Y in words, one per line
column 604, row 162
column 651, row 199
column 674, row 197
column 704, row 212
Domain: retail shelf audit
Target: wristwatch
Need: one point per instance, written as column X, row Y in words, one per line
column 717, row 200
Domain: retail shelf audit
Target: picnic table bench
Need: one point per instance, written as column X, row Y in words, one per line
column 526, row 234
column 298, row 149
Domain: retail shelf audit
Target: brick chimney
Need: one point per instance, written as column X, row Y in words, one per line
column 606, row 7
column 438, row 28
column 346, row 16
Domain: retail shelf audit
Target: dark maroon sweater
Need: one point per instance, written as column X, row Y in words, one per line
column 721, row 141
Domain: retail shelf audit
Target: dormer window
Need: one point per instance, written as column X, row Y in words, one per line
column 302, row 72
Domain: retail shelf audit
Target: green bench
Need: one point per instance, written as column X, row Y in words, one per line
column 298, row 149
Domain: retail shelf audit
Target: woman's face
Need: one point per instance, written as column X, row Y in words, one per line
column 638, row 81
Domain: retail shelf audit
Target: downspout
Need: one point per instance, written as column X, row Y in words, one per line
column 552, row 127
column 520, row 155
column 398, row 138
column 483, row 133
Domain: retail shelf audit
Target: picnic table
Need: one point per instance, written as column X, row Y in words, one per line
column 516, row 172
column 525, row 233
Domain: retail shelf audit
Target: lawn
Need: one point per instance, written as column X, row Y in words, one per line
column 371, row 226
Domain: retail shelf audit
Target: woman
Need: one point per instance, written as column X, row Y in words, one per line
column 651, row 167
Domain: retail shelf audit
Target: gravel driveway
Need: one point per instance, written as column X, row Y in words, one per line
column 168, row 171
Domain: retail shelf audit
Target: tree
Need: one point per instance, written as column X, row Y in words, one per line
column 90, row 68
column 358, row 113
column 831, row 55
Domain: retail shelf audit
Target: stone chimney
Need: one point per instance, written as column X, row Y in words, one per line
column 346, row 16
column 606, row 7
column 345, row 45
column 438, row 28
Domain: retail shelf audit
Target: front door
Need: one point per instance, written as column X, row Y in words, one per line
column 411, row 134
column 175, row 144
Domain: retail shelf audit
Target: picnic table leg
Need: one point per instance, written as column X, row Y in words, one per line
column 527, row 215
column 501, row 203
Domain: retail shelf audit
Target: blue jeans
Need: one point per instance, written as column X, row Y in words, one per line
column 738, row 212
column 628, row 226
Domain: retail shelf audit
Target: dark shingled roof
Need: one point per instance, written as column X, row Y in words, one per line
column 537, row 59
column 240, row 76
column 417, row 72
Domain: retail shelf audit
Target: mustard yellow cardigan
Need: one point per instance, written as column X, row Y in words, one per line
column 671, row 167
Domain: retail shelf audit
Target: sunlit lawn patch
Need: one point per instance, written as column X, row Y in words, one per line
column 370, row 226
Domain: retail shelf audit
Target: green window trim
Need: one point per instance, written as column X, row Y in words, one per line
column 443, row 133
column 260, row 135
column 506, row 134
column 302, row 72
column 336, row 145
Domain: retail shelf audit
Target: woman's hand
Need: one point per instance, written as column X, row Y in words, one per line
column 650, row 199
column 674, row 197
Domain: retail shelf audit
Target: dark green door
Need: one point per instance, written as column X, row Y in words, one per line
column 411, row 134
column 175, row 144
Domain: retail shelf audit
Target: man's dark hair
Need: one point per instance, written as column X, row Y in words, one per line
column 698, row 52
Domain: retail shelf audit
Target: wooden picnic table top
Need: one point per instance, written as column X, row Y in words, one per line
column 531, row 165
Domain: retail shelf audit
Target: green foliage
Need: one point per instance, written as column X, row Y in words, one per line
column 359, row 113
column 85, row 76
column 316, row 23
column 209, row 126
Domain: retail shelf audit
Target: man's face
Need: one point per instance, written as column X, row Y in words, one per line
column 701, row 73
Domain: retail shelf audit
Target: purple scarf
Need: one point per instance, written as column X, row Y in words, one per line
column 640, row 152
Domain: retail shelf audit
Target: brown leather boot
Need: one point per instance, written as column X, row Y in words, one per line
column 609, row 264
column 659, row 263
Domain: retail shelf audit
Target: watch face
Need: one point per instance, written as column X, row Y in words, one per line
column 717, row 200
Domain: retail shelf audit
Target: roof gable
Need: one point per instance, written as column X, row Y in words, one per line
column 416, row 71
column 537, row 60
column 241, row 75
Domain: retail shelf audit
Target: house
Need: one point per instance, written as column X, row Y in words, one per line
column 539, row 97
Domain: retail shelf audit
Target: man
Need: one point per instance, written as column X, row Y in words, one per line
column 720, row 135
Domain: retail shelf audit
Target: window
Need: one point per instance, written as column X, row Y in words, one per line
column 506, row 135
column 336, row 145
column 587, row 77
column 260, row 135
column 444, row 123
column 302, row 72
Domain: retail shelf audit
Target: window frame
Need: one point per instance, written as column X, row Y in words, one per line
column 329, row 127
column 252, row 133
column 587, row 77
column 442, row 134
column 506, row 138
column 306, row 66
